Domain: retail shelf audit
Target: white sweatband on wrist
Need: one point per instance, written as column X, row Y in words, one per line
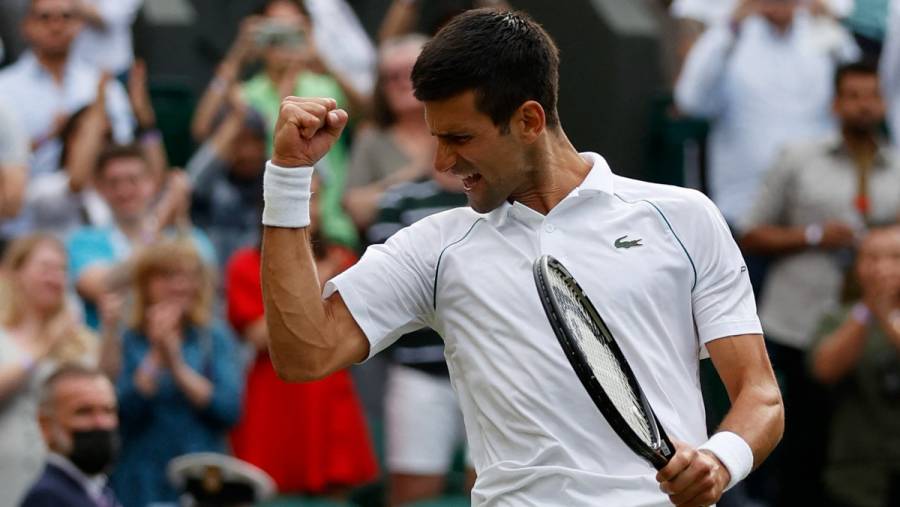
column 733, row 452
column 286, row 192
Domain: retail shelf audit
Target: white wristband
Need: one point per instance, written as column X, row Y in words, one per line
column 733, row 452
column 286, row 192
column 813, row 234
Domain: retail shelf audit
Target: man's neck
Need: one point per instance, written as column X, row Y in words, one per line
column 55, row 65
column 860, row 143
column 557, row 170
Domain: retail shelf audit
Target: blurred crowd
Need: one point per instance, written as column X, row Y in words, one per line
column 131, row 317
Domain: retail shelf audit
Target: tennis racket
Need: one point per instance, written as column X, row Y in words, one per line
column 599, row 363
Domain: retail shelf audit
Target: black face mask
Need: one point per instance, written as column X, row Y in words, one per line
column 94, row 450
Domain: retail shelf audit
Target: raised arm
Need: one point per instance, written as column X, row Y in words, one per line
column 698, row 89
column 309, row 338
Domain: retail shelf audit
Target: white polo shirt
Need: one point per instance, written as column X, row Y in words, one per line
column 535, row 436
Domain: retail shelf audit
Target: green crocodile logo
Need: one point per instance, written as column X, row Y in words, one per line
column 621, row 243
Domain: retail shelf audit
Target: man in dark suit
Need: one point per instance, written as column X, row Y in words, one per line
column 78, row 417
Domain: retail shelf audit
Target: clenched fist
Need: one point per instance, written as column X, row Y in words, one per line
column 306, row 129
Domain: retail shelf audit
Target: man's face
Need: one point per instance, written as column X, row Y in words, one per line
column 51, row 26
column 858, row 103
column 79, row 404
column 491, row 165
column 126, row 186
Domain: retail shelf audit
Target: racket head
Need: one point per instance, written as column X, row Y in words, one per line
column 629, row 414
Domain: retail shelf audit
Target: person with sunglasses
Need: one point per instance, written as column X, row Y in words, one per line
column 47, row 84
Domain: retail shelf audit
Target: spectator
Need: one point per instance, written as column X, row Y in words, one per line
column 179, row 388
column 311, row 438
column 46, row 85
column 79, row 422
column 401, row 147
column 226, row 177
column 101, row 256
column 37, row 333
column 424, row 422
column 812, row 205
column 856, row 354
column 281, row 36
column 105, row 41
column 890, row 70
column 763, row 80
column 13, row 165
column 66, row 199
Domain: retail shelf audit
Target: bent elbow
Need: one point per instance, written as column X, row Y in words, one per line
column 299, row 371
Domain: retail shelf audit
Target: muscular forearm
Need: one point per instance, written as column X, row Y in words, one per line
column 757, row 412
column 308, row 338
column 295, row 314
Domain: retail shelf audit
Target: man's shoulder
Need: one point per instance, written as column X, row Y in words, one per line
column 681, row 208
column 54, row 487
column 658, row 194
column 441, row 229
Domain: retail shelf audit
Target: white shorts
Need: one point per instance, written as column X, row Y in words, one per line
column 424, row 425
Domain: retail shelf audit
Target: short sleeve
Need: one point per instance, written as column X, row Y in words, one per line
column 722, row 297
column 390, row 290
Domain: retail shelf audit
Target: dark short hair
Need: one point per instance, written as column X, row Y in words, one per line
column 117, row 152
column 505, row 57
column 861, row 67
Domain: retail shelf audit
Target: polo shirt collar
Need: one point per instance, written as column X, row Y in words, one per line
column 598, row 180
column 837, row 147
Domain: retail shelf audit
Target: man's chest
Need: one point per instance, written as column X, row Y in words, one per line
column 628, row 259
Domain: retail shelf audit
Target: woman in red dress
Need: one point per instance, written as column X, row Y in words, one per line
column 311, row 438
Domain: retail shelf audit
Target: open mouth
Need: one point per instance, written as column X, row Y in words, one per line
column 470, row 181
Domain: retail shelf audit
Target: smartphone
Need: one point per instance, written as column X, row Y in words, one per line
column 277, row 34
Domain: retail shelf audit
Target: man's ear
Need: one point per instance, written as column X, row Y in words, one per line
column 530, row 121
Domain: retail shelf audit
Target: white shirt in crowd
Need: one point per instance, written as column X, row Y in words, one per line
column 761, row 89
column 37, row 99
column 713, row 11
column 343, row 43
column 32, row 94
column 109, row 48
column 890, row 70
column 535, row 436
column 54, row 208
column 13, row 142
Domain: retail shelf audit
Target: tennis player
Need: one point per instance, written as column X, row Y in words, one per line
column 657, row 261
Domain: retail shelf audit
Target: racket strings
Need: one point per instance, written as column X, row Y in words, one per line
column 601, row 359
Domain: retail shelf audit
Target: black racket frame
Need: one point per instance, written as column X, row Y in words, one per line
column 661, row 450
